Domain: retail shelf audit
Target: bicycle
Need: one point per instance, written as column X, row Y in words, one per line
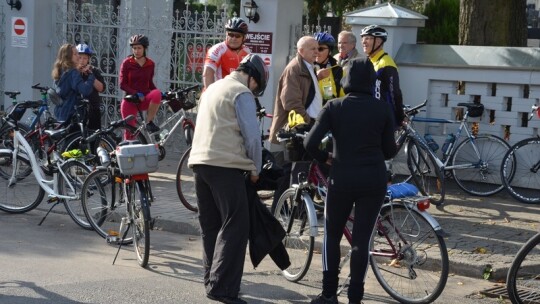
column 20, row 193
column 116, row 197
column 523, row 278
column 474, row 162
column 520, row 168
column 178, row 103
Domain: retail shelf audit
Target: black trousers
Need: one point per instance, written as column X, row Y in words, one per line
column 224, row 220
column 337, row 209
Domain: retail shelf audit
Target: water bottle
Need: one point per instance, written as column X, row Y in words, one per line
column 431, row 143
column 448, row 142
column 163, row 134
column 104, row 158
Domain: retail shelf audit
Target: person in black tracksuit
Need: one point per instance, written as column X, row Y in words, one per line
column 362, row 129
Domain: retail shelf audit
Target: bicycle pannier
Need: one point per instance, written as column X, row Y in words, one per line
column 137, row 159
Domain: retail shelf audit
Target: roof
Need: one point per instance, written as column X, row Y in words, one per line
column 469, row 56
column 386, row 14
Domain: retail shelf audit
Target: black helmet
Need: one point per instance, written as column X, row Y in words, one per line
column 236, row 24
column 255, row 67
column 139, row 39
column 375, row 31
column 325, row 38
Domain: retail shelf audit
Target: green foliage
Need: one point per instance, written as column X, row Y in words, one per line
column 442, row 27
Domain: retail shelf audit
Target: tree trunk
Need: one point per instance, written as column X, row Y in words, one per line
column 493, row 22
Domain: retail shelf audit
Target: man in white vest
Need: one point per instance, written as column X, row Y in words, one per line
column 226, row 147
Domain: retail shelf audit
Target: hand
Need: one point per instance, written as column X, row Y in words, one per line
column 254, row 178
column 323, row 73
column 141, row 96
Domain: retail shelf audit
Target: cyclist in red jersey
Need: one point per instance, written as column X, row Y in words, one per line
column 224, row 57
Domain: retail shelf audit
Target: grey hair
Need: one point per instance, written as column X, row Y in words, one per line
column 350, row 35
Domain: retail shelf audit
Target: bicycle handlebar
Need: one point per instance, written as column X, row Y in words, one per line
column 414, row 110
column 284, row 135
column 110, row 128
column 40, row 88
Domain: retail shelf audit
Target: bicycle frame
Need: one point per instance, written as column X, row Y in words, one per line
column 45, row 184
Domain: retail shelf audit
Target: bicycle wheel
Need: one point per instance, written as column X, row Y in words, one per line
column 139, row 210
column 299, row 244
column 76, row 173
column 480, row 160
column 104, row 204
column 185, row 183
column 73, row 141
column 408, row 257
column 425, row 173
column 188, row 133
column 520, row 171
column 24, row 194
column 523, row 279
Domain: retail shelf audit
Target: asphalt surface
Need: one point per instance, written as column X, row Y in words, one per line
column 484, row 233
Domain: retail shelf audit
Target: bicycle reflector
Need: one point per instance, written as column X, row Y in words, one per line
column 423, row 205
column 538, row 112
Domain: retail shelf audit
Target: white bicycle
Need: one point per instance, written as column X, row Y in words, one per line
column 20, row 192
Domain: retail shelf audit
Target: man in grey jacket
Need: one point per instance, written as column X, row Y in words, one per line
column 226, row 147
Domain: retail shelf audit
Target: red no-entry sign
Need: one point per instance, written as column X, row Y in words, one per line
column 19, row 32
column 19, row 26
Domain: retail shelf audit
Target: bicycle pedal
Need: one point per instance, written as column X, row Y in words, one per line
column 114, row 240
column 152, row 222
column 53, row 199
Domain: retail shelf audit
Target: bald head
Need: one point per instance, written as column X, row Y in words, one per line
column 308, row 48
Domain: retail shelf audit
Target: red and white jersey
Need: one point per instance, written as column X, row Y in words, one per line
column 223, row 60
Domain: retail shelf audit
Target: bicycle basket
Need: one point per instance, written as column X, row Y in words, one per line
column 181, row 101
column 476, row 110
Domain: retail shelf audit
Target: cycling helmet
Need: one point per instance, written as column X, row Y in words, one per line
column 325, row 38
column 375, row 31
column 84, row 48
column 255, row 67
column 139, row 39
column 237, row 25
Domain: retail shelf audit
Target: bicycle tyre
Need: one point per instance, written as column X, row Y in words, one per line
column 188, row 133
column 26, row 194
column 520, row 171
column 425, row 173
column 76, row 172
column 419, row 271
column 185, row 183
column 522, row 281
column 298, row 243
column 104, row 204
column 140, row 221
column 485, row 178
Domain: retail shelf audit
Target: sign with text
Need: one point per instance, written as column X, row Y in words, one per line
column 259, row 42
column 19, row 32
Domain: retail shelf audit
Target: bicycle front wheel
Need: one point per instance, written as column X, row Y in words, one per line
column 23, row 193
column 104, row 204
column 298, row 242
column 408, row 257
column 425, row 173
column 185, row 183
column 523, row 279
column 477, row 164
column 139, row 210
column 76, row 173
column 520, row 171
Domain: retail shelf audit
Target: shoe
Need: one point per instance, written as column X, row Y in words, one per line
column 151, row 127
column 321, row 299
column 227, row 300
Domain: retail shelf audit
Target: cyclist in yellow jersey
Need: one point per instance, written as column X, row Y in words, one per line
column 387, row 84
column 329, row 73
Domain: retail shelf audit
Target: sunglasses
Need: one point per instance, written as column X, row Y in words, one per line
column 322, row 49
column 234, row 35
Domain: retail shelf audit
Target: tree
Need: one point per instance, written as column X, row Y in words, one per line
column 493, row 22
column 442, row 26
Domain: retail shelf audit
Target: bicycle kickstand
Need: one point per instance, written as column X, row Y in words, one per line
column 121, row 242
column 51, row 200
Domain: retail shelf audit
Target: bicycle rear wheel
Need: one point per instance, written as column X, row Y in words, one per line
column 520, row 171
column 139, row 209
column 298, row 242
column 408, row 257
column 24, row 194
column 76, row 173
column 425, row 173
column 482, row 160
column 523, row 279
column 185, row 183
column 104, row 205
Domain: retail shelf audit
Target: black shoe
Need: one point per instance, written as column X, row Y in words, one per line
column 151, row 127
column 321, row 299
column 227, row 300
